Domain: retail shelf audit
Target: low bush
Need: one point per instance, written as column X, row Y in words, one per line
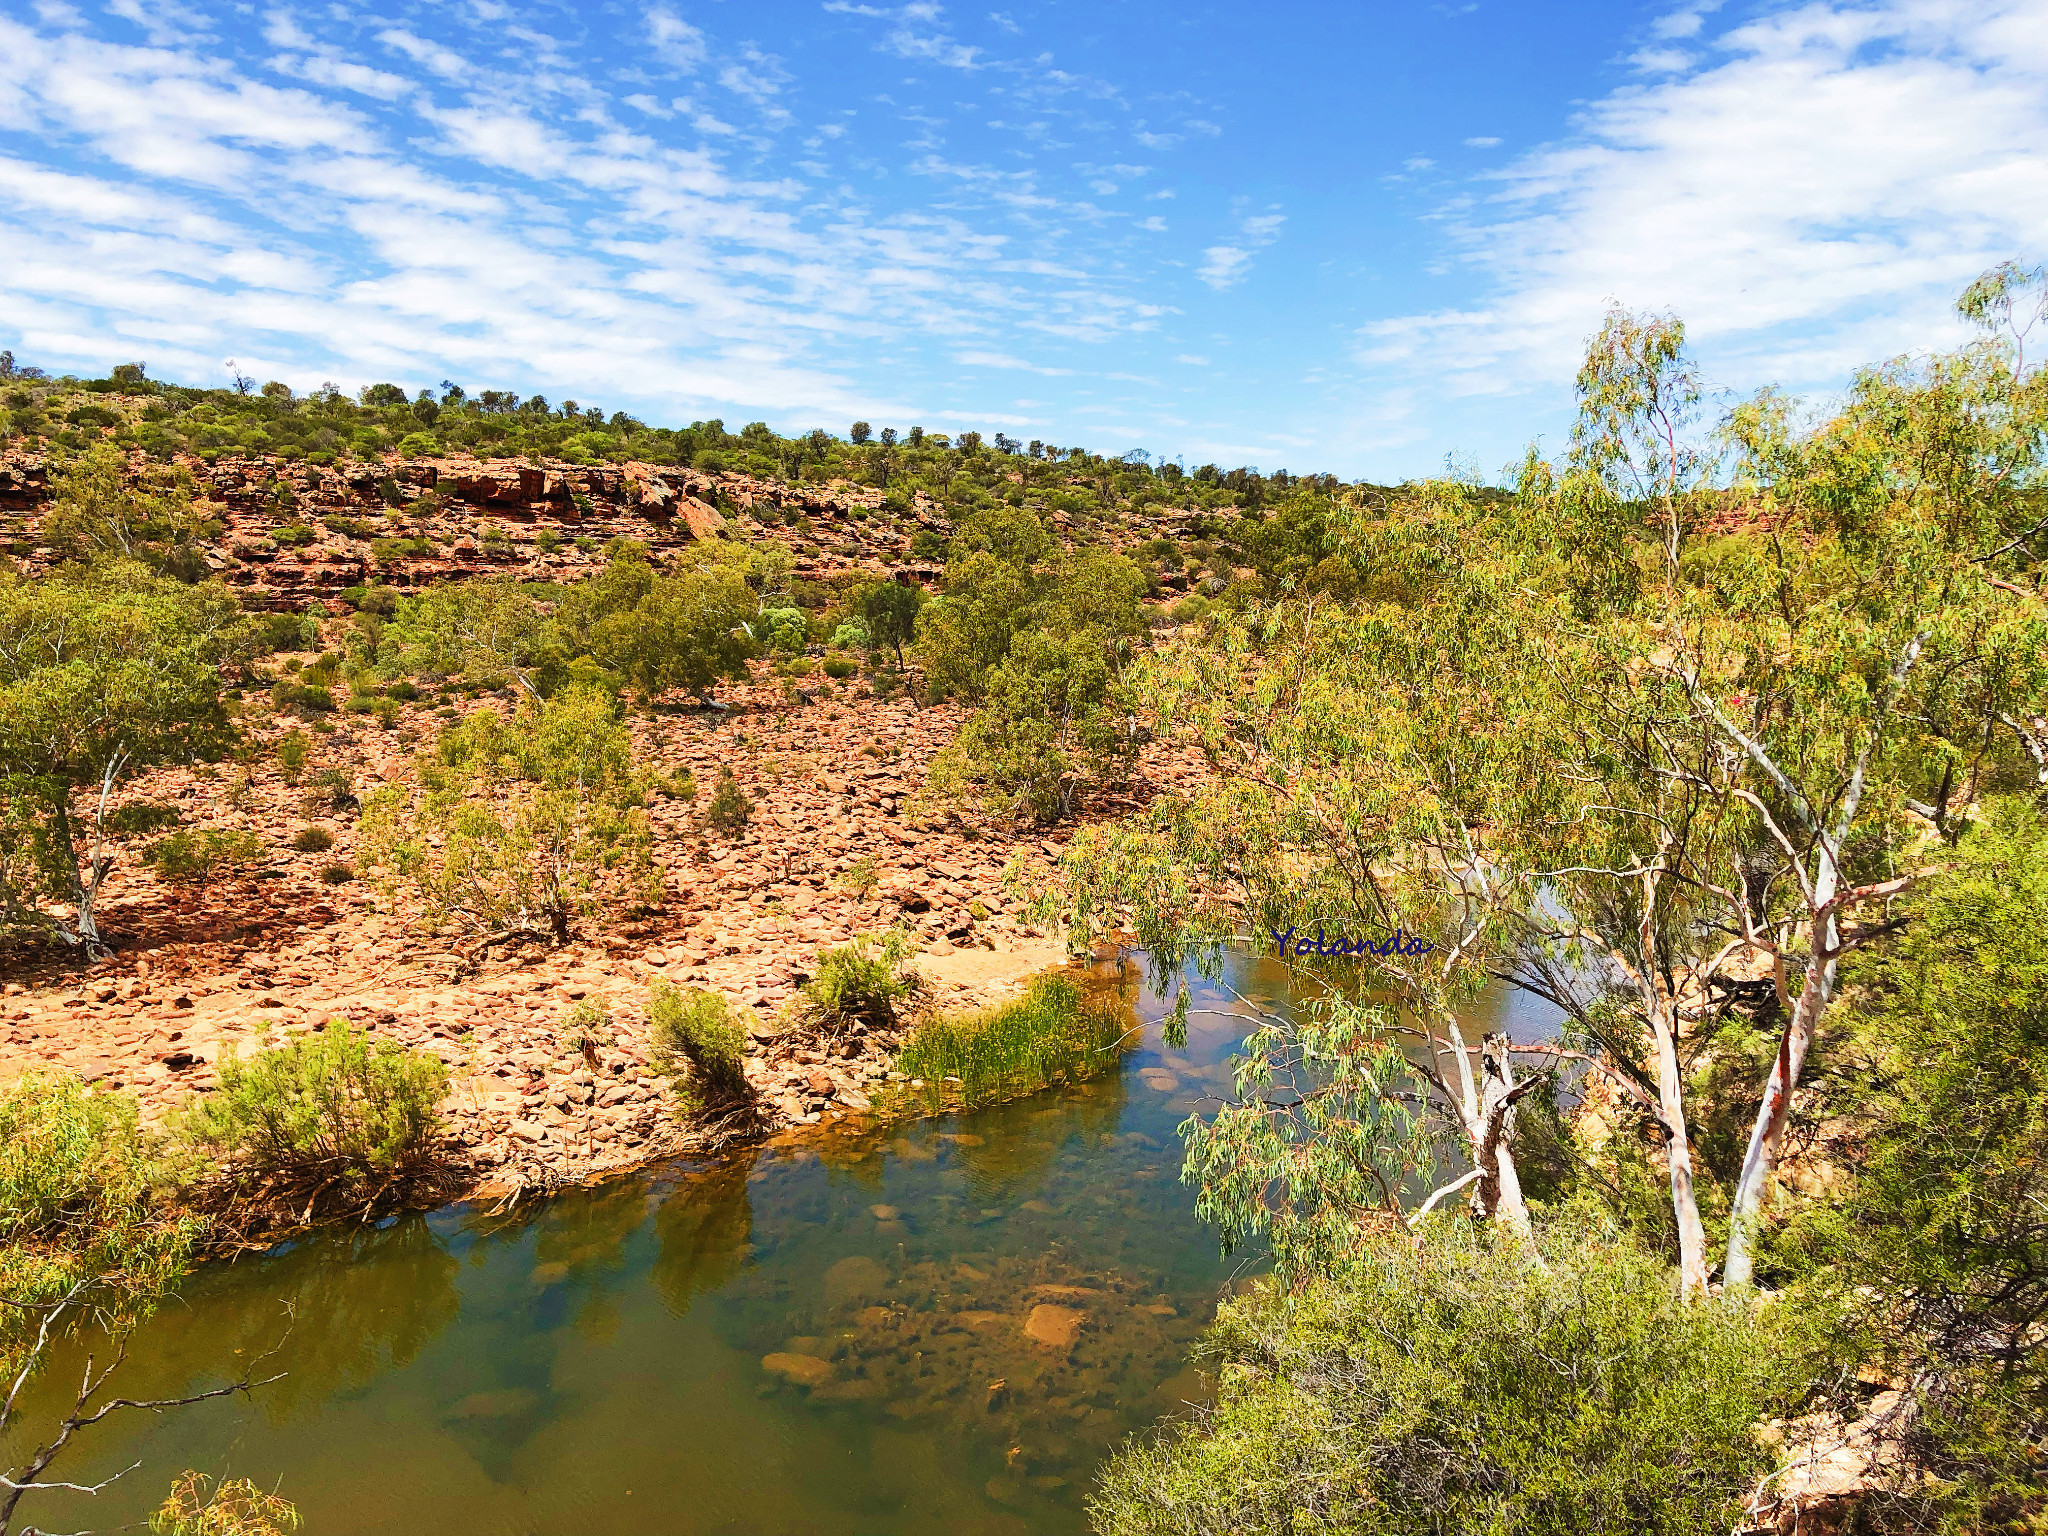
column 840, row 667
column 312, row 840
column 139, row 817
column 861, row 877
column 1053, row 1033
column 337, row 874
column 295, row 535
column 730, row 810
column 334, row 787
column 1446, row 1386
column 291, row 752
column 194, row 858
column 860, row 982
column 698, row 1028
column 331, row 1107
column 81, row 1199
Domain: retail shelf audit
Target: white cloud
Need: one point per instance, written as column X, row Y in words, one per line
column 1004, row 360
column 1225, row 266
column 1417, row 163
column 915, row 32
column 1808, row 198
column 1483, row 142
column 675, row 42
column 442, row 61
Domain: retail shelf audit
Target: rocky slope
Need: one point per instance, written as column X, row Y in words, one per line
column 294, row 532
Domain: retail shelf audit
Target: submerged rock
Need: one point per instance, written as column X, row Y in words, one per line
column 1055, row 1326
column 804, row 1370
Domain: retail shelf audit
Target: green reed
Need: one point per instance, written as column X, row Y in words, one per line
column 1053, row 1033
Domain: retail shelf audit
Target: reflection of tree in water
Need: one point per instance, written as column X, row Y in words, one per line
column 1017, row 1144
column 705, row 1227
column 587, row 1232
column 363, row 1302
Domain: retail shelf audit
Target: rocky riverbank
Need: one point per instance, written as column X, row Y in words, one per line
column 831, row 852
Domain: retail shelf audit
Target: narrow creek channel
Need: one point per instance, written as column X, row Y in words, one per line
column 943, row 1326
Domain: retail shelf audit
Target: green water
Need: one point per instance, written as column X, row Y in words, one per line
column 596, row 1366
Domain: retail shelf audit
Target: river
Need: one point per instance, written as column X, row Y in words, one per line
column 816, row 1336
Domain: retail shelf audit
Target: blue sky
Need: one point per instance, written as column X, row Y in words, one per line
column 1363, row 238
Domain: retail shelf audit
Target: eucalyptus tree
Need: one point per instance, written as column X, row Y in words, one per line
column 103, row 670
column 1362, row 763
column 1774, row 732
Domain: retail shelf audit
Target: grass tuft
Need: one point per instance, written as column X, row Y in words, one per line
column 1053, row 1033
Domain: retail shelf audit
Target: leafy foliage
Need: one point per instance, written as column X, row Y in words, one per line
column 201, row 857
column 1940, row 1240
column 860, row 982
column 1053, row 1033
column 698, row 1028
column 331, row 1107
column 1447, row 1386
column 197, row 1506
column 519, row 824
column 103, row 670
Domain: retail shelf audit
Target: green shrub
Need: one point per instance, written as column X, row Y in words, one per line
column 329, row 1106
column 862, row 876
column 391, row 551
column 730, row 810
column 337, row 874
column 80, row 1199
column 312, row 840
column 335, row 787
column 1052, row 1033
column 1936, row 1235
column 860, row 982
column 402, row 689
column 141, row 816
column 295, row 535
column 291, row 752
column 194, row 858
column 841, row 667
column 698, row 1027
column 1444, row 1386
column 681, row 786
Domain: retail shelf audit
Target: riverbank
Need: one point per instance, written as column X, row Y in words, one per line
column 547, row 1047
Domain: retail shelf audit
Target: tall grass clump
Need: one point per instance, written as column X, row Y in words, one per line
column 1053, row 1033
column 331, row 1113
column 698, row 1028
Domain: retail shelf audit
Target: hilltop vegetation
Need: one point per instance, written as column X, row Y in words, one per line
column 962, row 471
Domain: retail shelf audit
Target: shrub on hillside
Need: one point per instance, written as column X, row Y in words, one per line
column 699, row 1028
column 139, row 817
column 196, row 858
column 291, row 752
column 312, row 840
column 730, row 810
column 330, row 1107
